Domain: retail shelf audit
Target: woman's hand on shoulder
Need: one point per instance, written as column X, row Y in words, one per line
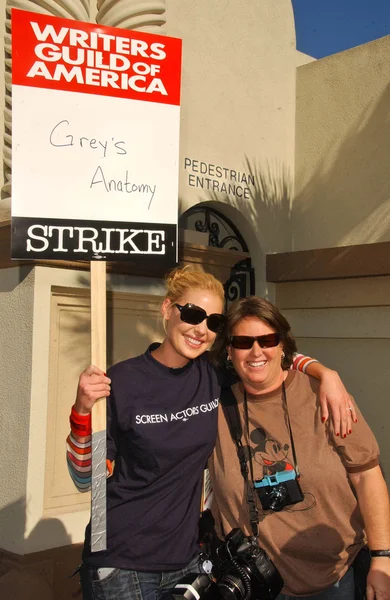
column 378, row 580
column 335, row 398
column 93, row 385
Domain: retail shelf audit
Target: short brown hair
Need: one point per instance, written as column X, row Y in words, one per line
column 259, row 308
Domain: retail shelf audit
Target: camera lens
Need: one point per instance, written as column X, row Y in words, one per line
column 278, row 497
column 231, row 587
column 191, row 587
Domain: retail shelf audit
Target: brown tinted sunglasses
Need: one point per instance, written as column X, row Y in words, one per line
column 245, row 342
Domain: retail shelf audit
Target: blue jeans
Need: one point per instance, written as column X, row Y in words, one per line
column 344, row 589
column 123, row 584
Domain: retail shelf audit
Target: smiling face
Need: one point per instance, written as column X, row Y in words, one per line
column 184, row 341
column 259, row 368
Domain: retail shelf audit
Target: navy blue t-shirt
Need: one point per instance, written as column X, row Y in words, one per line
column 161, row 429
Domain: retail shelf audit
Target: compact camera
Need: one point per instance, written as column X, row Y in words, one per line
column 279, row 490
column 240, row 571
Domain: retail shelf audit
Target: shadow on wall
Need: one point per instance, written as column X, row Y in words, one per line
column 268, row 209
column 43, row 576
column 348, row 196
column 345, row 201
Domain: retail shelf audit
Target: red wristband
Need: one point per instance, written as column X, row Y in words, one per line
column 80, row 424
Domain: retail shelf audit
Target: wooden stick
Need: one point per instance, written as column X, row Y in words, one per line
column 98, row 358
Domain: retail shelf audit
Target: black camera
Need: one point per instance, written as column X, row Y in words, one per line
column 279, row 490
column 241, row 571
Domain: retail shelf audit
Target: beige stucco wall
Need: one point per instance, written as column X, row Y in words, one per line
column 16, row 325
column 346, row 325
column 342, row 184
column 304, row 59
column 238, row 111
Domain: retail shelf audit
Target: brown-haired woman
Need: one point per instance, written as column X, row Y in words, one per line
column 309, row 519
column 161, row 429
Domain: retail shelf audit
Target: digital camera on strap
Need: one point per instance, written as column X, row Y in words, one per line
column 278, row 490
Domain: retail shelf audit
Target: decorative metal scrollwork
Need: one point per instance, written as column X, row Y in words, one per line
column 223, row 234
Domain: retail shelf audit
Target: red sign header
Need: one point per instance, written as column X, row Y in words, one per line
column 62, row 54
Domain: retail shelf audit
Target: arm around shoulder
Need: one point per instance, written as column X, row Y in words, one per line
column 334, row 398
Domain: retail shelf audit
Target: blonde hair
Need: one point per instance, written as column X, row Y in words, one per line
column 180, row 280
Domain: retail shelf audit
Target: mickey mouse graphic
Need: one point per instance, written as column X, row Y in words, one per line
column 269, row 453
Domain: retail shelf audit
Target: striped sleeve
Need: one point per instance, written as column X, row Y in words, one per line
column 301, row 362
column 79, row 460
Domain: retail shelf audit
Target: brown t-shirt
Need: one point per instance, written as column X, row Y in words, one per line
column 313, row 542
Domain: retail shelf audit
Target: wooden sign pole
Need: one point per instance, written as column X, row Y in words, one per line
column 98, row 358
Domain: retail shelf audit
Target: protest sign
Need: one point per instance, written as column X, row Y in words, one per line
column 95, row 141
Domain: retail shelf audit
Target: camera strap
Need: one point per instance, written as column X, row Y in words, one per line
column 232, row 415
column 289, row 429
column 230, row 409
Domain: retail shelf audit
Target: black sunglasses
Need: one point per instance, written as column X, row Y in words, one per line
column 245, row 342
column 193, row 315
